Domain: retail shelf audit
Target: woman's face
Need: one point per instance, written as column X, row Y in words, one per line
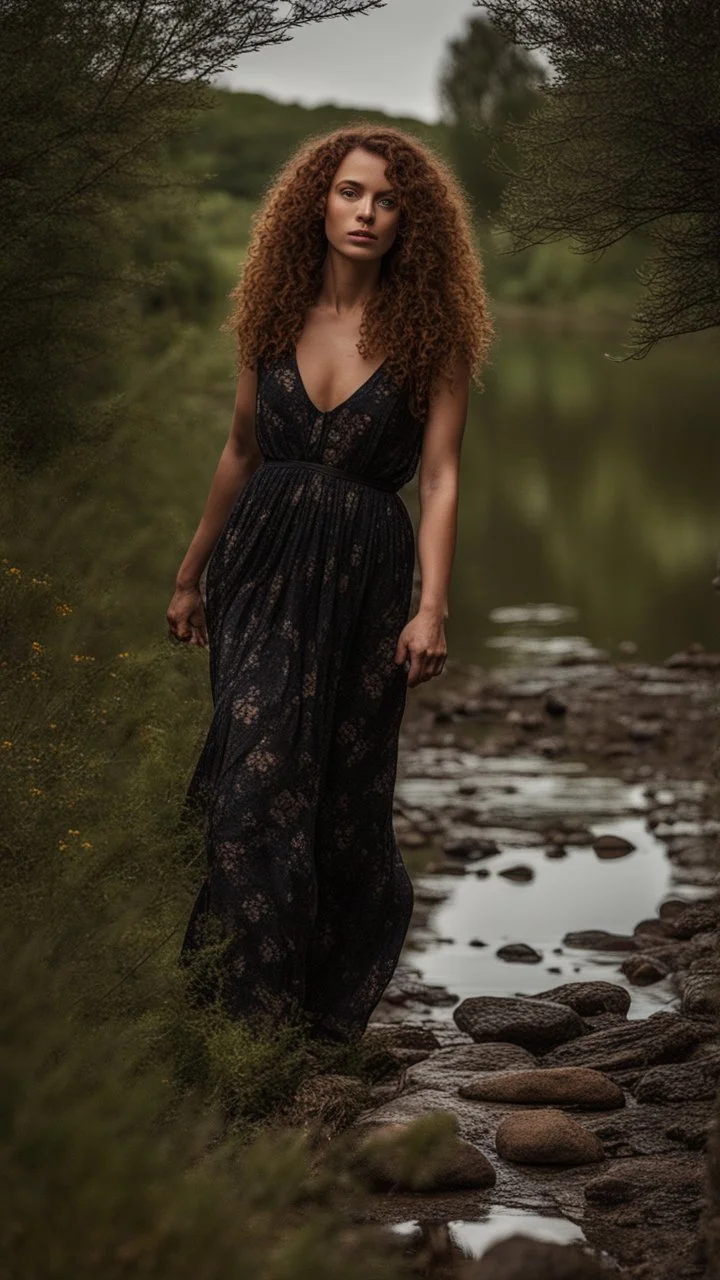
column 361, row 200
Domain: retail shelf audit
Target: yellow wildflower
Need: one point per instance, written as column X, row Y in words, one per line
column 124, row 655
column 85, row 844
column 6, row 744
column 37, row 647
column 35, row 675
column 15, row 572
column 35, row 791
column 73, row 831
column 62, row 608
column 62, row 846
column 82, row 657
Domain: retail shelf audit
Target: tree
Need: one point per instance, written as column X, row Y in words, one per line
column 486, row 82
column 626, row 140
column 91, row 95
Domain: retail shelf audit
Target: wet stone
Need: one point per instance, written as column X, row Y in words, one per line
column 520, row 1257
column 548, row 1136
column 588, row 998
column 580, row 1087
column 691, row 1081
column 642, row 971
column 700, row 917
column 663, row 1037
column 520, row 873
column 600, row 940
column 612, row 846
column 451, row 1067
column 519, row 953
column 534, row 1024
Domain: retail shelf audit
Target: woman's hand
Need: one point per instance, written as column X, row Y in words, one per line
column 422, row 640
column 186, row 616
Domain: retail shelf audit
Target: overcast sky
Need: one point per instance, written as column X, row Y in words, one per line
column 388, row 58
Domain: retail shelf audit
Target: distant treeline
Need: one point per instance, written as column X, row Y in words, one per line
column 241, row 143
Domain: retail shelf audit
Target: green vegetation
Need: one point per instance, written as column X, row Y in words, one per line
column 624, row 143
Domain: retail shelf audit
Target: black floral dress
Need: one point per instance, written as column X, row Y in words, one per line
column 307, row 591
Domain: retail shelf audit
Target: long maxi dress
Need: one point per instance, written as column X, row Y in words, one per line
column 307, row 591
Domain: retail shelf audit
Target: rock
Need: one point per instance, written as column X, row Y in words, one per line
column 588, row 998
column 546, row 1137
column 470, row 847
column 710, row 661
column 650, row 928
column 531, row 720
column 408, row 988
column 611, row 846
column 477, row 942
column 690, row 1081
column 701, row 992
column 700, row 917
column 671, row 908
column 537, row 1025
column 518, row 953
column 518, row 872
column 519, row 1257
column 422, row 1156
column 400, row 1035
column 600, row 940
column 566, row 1086
column 555, row 705
column 663, row 1037
column 644, row 970
column 449, row 1068
column 645, row 730
column 634, row 1178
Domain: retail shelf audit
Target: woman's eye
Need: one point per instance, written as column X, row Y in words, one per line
column 347, row 192
column 388, row 200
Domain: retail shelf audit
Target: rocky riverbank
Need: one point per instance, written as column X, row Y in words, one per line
column 578, row 1100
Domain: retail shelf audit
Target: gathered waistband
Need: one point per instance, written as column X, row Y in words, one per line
column 327, row 470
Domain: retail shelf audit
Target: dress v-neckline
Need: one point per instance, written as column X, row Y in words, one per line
column 343, row 403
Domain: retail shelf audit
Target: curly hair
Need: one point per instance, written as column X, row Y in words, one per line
column 430, row 307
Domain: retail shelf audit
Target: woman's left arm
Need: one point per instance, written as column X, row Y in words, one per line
column 423, row 639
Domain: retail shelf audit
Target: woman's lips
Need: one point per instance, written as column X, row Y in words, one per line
column 361, row 235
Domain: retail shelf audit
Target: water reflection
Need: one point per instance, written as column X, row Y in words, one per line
column 445, row 1240
column 593, row 485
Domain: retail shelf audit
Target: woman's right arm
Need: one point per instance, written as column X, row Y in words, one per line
column 239, row 458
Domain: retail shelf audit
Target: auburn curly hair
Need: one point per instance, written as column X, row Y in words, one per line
column 430, row 306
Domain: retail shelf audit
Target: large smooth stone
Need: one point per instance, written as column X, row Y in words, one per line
column 570, row 1086
column 521, row 1257
column 663, row 1037
column 588, row 998
column 457, row 1064
column 537, row 1025
column 546, row 1137
column 691, row 1081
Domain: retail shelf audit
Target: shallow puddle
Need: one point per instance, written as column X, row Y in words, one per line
column 472, row 1239
column 472, row 916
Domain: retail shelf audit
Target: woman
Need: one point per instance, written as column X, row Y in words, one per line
column 359, row 318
